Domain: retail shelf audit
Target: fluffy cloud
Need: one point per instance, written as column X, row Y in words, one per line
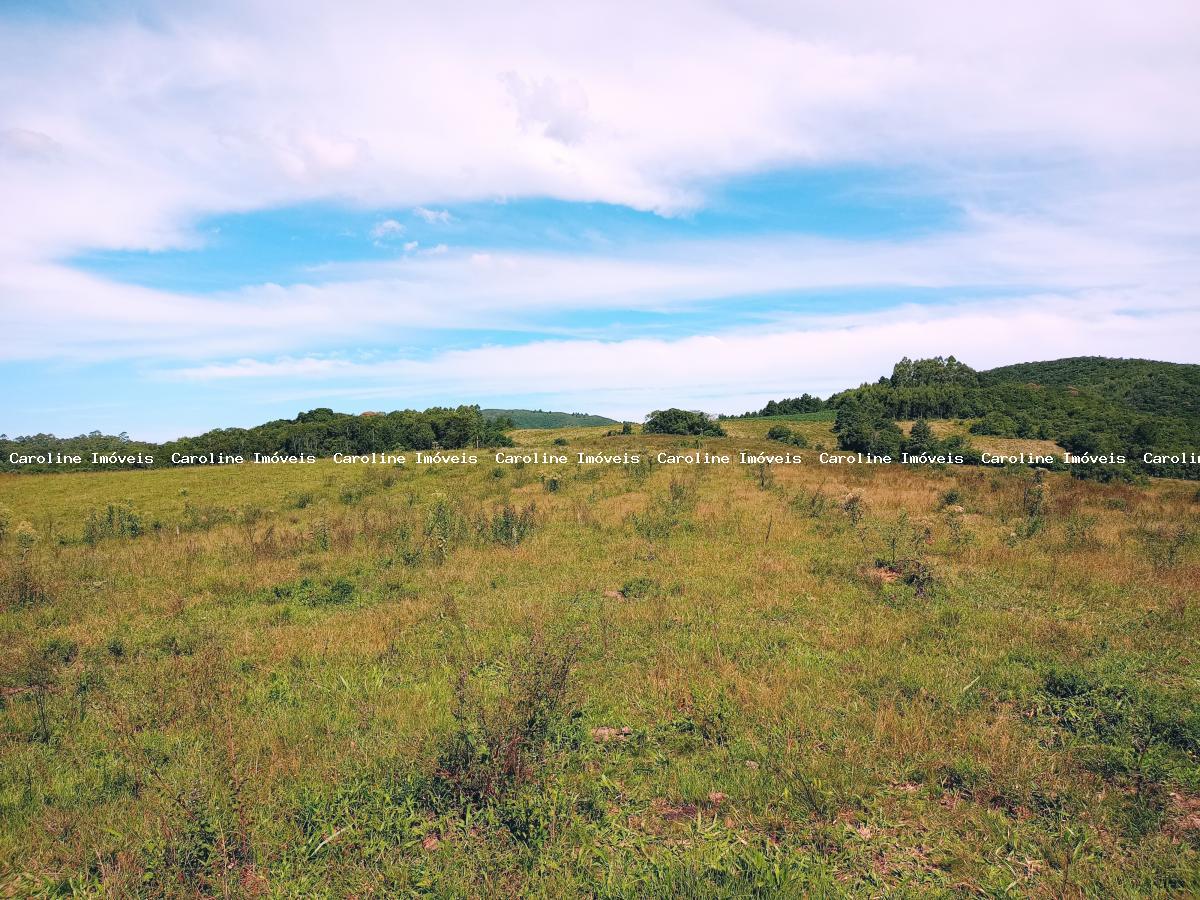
column 1067, row 132
column 386, row 229
column 127, row 127
column 739, row 370
column 79, row 316
column 433, row 216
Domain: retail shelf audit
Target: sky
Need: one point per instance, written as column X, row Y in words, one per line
column 223, row 213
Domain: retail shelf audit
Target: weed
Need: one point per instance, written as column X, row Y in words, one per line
column 642, row 588
column 951, row 497
column 321, row 535
column 1123, row 727
column 307, row 592
column 665, row 514
column 1081, row 532
column 510, row 527
column 445, row 528
column 812, row 503
column 854, row 508
column 1164, row 546
column 117, row 520
column 504, row 726
column 1033, row 503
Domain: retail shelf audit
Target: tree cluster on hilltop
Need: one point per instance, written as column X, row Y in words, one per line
column 682, row 421
column 1088, row 405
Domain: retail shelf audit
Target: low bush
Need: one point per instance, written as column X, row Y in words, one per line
column 505, row 719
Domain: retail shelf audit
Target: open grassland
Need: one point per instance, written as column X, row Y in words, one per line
column 620, row 680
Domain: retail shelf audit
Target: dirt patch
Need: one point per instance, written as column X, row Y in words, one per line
column 604, row 734
column 672, row 812
column 1183, row 817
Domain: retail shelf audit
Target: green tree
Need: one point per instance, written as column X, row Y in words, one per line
column 682, row 421
column 921, row 438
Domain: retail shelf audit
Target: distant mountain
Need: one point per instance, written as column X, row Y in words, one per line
column 538, row 418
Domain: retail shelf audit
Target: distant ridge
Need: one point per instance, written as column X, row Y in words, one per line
column 538, row 418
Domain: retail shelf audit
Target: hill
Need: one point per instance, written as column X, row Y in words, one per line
column 538, row 418
column 1119, row 408
column 1161, row 388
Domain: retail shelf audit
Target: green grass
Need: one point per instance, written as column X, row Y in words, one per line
column 650, row 681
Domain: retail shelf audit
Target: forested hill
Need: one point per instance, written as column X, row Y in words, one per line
column 1088, row 405
column 1168, row 389
column 537, row 418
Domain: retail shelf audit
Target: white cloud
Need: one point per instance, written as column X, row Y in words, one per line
column 128, row 130
column 739, row 370
column 386, row 229
column 231, row 106
column 72, row 315
column 433, row 216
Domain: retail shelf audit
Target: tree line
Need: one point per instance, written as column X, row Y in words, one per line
column 319, row 432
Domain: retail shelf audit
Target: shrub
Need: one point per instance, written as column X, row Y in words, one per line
column 510, row 527
column 853, row 506
column 1081, row 532
column 812, row 505
column 560, row 442
column 1165, row 546
column 642, row 588
column 117, row 520
column 665, row 514
column 503, row 727
column 997, row 424
column 34, row 674
column 682, row 421
column 310, row 593
column 779, row 433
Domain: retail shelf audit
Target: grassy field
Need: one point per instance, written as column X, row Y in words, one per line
column 617, row 680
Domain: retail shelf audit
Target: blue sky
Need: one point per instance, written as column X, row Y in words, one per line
column 227, row 214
